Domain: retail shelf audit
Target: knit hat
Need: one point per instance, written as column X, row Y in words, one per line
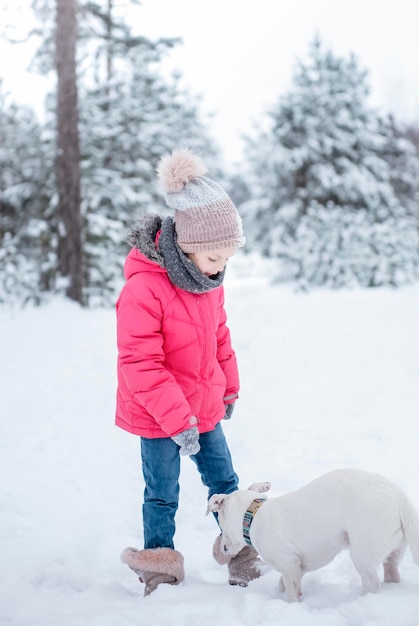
column 204, row 215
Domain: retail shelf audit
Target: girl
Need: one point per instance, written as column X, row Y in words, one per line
column 177, row 371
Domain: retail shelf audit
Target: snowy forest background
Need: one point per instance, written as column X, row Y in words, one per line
column 328, row 187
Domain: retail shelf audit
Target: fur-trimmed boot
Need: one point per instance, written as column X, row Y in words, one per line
column 243, row 567
column 155, row 566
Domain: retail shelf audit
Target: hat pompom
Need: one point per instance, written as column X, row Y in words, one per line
column 179, row 168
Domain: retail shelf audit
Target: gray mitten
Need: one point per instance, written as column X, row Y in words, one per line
column 188, row 441
column 229, row 410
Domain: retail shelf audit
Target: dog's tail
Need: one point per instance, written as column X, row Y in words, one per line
column 410, row 523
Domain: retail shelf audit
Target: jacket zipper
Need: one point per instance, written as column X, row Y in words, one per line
column 204, row 351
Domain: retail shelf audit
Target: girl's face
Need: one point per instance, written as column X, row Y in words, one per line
column 211, row 262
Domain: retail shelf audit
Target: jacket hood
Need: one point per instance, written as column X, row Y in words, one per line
column 143, row 236
column 144, row 255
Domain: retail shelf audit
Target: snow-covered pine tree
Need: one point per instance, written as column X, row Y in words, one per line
column 402, row 155
column 129, row 119
column 130, row 115
column 327, row 199
column 27, row 251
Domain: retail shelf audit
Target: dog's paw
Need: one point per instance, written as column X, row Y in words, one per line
column 260, row 487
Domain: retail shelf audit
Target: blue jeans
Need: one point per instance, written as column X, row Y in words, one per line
column 161, row 470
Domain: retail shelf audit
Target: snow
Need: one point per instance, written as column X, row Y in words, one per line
column 329, row 379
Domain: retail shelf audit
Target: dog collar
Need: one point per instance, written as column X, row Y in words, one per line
column 248, row 518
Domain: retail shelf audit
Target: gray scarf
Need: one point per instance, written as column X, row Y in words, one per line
column 182, row 272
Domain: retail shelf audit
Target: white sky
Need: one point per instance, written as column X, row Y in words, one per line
column 239, row 54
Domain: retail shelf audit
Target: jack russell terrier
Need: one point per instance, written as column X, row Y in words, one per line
column 304, row 530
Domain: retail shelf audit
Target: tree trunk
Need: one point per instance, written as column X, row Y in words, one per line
column 109, row 51
column 68, row 151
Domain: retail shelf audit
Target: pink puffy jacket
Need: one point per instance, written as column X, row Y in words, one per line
column 175, row 356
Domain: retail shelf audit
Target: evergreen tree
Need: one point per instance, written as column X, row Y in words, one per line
column 129, row 116
column 128, row 122
column 27, row 242
column 126, row 127
column 332, row 200
column 402, row 155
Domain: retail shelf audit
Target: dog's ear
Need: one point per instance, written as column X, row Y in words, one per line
column 260, row 487
column 216, row 503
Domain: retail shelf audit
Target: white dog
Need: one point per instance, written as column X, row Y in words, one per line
column 304, row 530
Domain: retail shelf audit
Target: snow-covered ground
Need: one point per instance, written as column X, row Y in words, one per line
column 329, row 379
